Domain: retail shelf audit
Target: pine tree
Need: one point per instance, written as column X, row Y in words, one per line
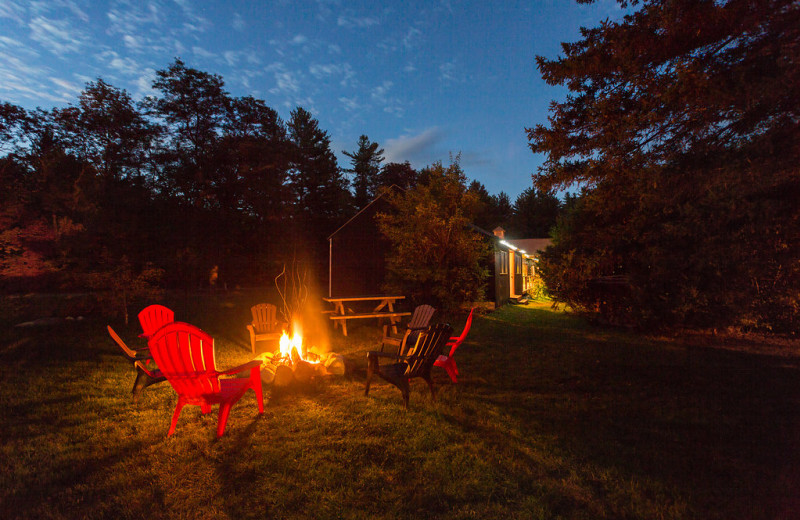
column 682, row 125
column 366, row 166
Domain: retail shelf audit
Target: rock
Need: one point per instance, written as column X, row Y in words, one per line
column 335, row 365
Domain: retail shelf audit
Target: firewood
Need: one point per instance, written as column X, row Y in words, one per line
column 303, row 371
column 284, row 376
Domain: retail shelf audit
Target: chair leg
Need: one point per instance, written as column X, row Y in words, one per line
column 452, row 370
column 255, row 381
column 224, row 411
column 427, row 378
column 404, row 388
column 372, row 367
column 175, row 415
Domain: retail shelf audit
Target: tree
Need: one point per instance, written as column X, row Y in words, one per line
column 112, row 134
column 366, row 164
column 193, row 104
column 682, row 124
column 436, row 257
column 399, row 174
column 320, row 196
column 535, row 213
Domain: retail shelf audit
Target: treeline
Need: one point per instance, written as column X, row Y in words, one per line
column 191, row 184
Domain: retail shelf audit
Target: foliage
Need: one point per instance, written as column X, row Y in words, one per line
column 398, row 174
column 366, row 167
column 436, row 258
column 682, row 124
column 117, row 289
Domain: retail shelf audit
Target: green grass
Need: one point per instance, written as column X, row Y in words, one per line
column 551, row 419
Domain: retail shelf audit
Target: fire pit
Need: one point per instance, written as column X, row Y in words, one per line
column 295, row 362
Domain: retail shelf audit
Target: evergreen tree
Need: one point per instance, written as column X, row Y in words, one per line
column 535, row 213
column 321, row 197
column 682, row 124
column 366, row 165
column 399, row 174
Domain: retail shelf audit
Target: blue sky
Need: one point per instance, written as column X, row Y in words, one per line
column 423, row 79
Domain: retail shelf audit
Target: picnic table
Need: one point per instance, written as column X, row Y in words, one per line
column 384, row 309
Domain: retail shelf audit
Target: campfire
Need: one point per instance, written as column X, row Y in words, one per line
column 295, row 361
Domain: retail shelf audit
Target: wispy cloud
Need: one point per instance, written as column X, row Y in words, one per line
column 69, row 87
column 418, row 149
column 411, row 37
column 58, row 36
column 356, row 22
column 299, row 39
column 344, row 71
column 12, row 10
column 349, row 104
column 238, row 22
column 449, row 72
column 203, row 53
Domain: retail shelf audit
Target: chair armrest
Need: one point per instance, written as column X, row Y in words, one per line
column 377, row 353
column 251, row 364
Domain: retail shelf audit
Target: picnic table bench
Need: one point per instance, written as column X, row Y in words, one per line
column 384, row 309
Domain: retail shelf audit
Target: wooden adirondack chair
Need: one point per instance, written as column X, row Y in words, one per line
column 153, row 317
column 447, row 362
column 140, row 358
column 417, row 363
column 419, row 321
column 265, row 325
column 185, row 354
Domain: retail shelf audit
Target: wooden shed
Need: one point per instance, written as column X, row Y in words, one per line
column 357, row 252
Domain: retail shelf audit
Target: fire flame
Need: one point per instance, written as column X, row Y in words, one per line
column 295, row 342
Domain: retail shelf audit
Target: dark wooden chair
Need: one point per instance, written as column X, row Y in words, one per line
column 419, row 321
column 146, row 374
column 416, row 363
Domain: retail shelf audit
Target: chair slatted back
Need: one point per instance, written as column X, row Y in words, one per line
column 185, row 355
column 421, row 317
column 153, row 317
column 264, row 318
column 429, row 345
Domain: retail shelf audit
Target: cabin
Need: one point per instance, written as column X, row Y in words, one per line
column 513, row 267
column 358, row 251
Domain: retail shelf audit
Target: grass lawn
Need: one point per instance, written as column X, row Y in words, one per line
column 551, row 418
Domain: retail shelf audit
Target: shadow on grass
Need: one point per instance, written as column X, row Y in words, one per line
column 719, row 426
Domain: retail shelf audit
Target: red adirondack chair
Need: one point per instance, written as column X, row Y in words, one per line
column 185, row 355
column 153, row 317
column 447, row 362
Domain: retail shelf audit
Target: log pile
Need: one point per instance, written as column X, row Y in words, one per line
column 282, row 371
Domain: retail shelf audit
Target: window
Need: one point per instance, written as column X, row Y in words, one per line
column 517, row 264
column 503, row 262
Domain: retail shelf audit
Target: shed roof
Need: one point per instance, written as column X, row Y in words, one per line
column 531, row 246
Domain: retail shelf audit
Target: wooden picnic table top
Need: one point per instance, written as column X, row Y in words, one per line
column 363, row 298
